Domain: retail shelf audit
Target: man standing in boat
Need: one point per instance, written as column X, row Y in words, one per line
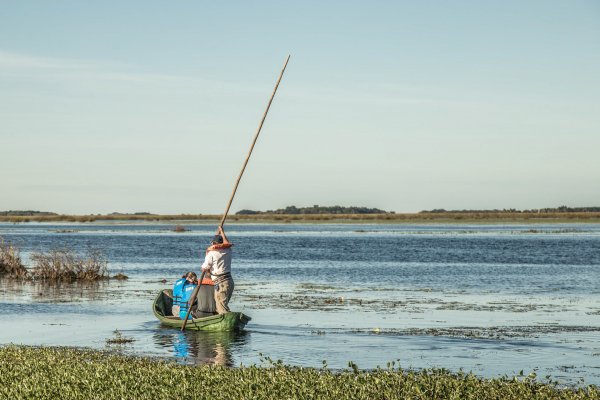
column 218, row 263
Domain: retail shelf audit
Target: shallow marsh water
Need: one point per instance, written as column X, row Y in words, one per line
column 494, row 299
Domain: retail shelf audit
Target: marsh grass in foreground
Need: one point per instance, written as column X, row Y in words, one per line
column 49, row 373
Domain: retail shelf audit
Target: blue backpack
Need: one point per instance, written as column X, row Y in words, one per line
column 178, row 291
column 186, row 293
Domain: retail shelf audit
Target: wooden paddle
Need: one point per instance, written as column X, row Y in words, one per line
column 262, row 121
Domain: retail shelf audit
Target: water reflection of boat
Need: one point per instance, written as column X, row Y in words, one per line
column 232, row 321
column 213, row 348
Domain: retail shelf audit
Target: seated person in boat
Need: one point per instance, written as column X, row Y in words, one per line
column 189, row 278
column 204, row 306
column 217, row 262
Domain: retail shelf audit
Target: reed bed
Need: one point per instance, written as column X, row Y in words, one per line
column 429, row 217
column 58, row 265
column 51, row 373
column 66, row 266
column 10, row 261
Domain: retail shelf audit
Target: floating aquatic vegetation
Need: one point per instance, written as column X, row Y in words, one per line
column 551, row 231
column 316, row 286
column 49, row 373
column 119, row 338
column 120, row 277
column 490, row 332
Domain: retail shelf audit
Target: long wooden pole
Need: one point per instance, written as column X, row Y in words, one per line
column 262, row 121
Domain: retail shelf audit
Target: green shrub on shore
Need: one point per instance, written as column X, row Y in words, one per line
column 66, row 266
column 10, row 261
column 51, row 373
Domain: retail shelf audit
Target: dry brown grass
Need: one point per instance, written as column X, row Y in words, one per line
column 59, row 265
column 66, row 266
column 441, row 217
column 10, row 261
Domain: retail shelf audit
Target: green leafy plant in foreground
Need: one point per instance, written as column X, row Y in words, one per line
column 67, row 373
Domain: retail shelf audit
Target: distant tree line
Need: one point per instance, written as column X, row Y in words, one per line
column 316, row 209
column 27, row 213
column 135, row 213
column 561, row 209
column 30, row 213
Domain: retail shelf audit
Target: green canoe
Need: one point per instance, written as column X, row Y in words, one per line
column 231, row 321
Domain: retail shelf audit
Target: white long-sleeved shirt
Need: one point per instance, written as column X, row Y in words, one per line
column 217, row 262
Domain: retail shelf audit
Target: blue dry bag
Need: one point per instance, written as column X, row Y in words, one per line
column 186, row 293
column 178, row 291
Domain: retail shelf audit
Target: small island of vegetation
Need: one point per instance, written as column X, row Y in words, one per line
column 56, row 265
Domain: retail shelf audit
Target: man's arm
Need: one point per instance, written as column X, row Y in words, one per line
column 221, row 232
column 208, row 262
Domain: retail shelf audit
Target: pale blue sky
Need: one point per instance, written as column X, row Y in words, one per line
column 151, row 105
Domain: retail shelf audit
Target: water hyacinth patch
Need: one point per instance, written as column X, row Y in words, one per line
column 49, row 373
